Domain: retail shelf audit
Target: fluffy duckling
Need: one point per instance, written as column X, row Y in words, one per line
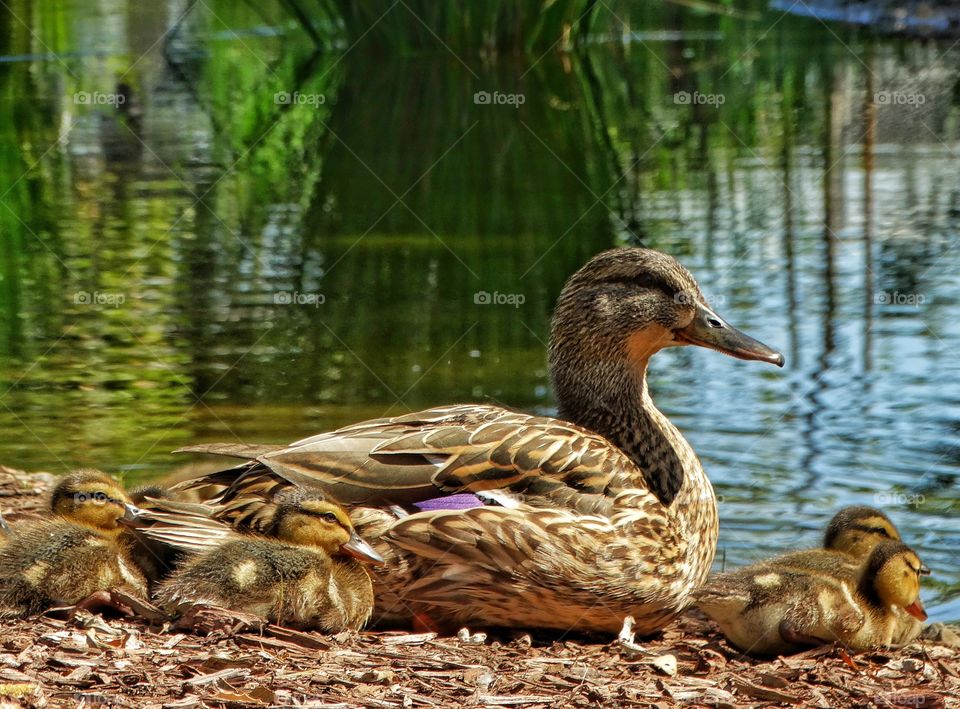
column 75, row 558
column 767, row 609
column 305, row 573
column 850, row 537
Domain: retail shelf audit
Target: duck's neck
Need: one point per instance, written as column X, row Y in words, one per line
column 613, row 400
column 624, row 413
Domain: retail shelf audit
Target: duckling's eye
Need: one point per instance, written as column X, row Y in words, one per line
column 95, row 496
column 881, row 531
column 328, row 517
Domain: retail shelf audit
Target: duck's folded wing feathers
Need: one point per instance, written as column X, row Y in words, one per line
column 234, row 450
column 441, row 451
column 187, row 527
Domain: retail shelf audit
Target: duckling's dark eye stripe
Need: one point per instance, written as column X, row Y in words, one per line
column 882, row 531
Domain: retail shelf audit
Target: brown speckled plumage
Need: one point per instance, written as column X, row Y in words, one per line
column 608, row 512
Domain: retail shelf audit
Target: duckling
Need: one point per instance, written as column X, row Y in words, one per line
column 767, row 609
column 75, row 558
column 850, row 537
column 305, row 572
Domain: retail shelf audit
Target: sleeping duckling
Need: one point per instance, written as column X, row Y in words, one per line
column 305, row 573
column 850, row 537
column 766, row 608
column 75, row 558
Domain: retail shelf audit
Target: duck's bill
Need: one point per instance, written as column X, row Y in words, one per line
column 917, row 610
column 131, row 513
column 707, row 329
column 359, row 549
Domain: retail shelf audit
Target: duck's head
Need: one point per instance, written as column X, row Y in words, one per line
column 621, row 308
column 893, row 570
column 317, row 521
column 857, row 529
column 91, row 498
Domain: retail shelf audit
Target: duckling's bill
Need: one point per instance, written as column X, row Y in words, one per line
column 360, row 549
column 131, row 513
column 707, row 329
column 917, row 610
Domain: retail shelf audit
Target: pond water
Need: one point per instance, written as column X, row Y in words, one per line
column 211, row 233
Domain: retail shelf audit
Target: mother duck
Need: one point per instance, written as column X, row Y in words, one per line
column 578, row 521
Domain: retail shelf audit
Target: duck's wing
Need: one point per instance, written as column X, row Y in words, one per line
column 184, row 526
column 233, row 450
column 442, row 451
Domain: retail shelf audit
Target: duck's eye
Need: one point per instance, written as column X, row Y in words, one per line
column 881, row 531
column 328, row 517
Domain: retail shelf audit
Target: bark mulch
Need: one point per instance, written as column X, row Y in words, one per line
column 234, row 660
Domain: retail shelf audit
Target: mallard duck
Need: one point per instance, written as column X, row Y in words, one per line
column 769, row 608
column 74, row 558
column 578, row 521
column 305, row 572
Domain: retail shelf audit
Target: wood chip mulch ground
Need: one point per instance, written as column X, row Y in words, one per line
column 232, row 660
